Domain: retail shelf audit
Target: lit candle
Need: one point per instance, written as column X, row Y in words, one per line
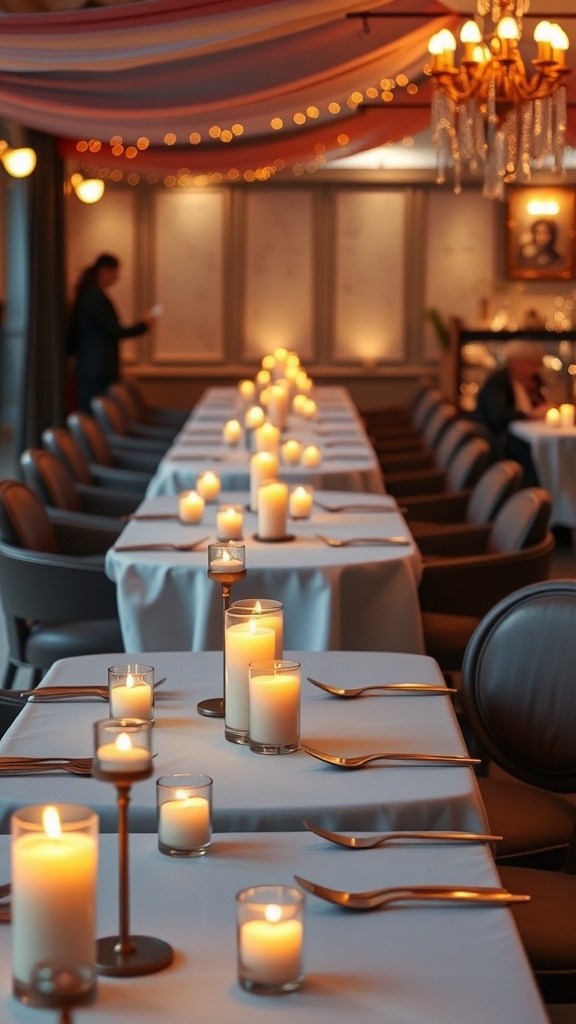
column 290, row 452
column 300, row 503
column 229, row 522
column 226, row 563
column 270, row 950
column 263, row 466
column 298, row 403
column 274, row 705
column 267, row 438
column 184, row 823
column 122, row 757
column 567, row 415
column 309, row 409
column 292, row 362
column 311, row 455
column 254, row 417
column 280, row 357
column 133, row 700
column 243, row 642
column 53, row 888
column 278, row 405
column 272, row 510
column 247, row 389
column 263, row 378
column 208, row 485
column 553, row 418
column 232, row 431
column 268, row 363
column 190, row 507
column 266, row 613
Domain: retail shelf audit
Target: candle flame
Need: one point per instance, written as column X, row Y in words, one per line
column 51, row 822
column 273, row 913
column 129, row 679
column 226, row 556
column 123, row 741
column 301, row 492
column 181, row 794
column 257, row 608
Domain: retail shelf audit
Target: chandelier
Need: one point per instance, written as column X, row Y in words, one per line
column 491, row 115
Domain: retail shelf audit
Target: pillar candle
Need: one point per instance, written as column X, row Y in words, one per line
column 300, row 503
column 247, row 389
column 243, row 642
column 298, row 403
column 291, row 451
column 311, row 456
column 132, row 700
column 309, row 409
column 274, row 705
column 232, row 431
column 263, row 466
column 208, row 485
column 268, row 614
column 280, row 357
column 190, row 507
column 272, row 510
column 278, row 405
column 254, row 417
column 229, row 523
column 271, row 951
column 267, row 438
column 184, row 823
column 567, row 415
column 553, row 418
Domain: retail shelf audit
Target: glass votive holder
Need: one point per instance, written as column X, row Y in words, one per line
column 61, row 984
column 122, row 750
column 245, row 641
column 290, row 452
column 208, row 485
column 270, row 938
column 274, row 706
column 190, row 507
column 265, row 612
column 226, row 561
column 184, row 805
column 54, row 853
column 300, row 502
column 311, row 456
column 131, row 691
column 230, row 522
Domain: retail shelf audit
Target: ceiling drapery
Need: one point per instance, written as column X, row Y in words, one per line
column 188, row 66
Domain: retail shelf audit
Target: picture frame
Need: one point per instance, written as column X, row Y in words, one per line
column 540, row 234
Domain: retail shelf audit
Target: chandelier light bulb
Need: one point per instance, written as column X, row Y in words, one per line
column 558, row 38
column 446, row 40
column 507, row 28
column 470, row 33
column 542, row 32
column 435, row 45
column 19, row 162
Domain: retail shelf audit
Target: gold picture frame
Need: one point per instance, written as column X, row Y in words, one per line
column 540, row 234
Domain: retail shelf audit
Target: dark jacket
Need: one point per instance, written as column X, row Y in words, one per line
column 95, row 332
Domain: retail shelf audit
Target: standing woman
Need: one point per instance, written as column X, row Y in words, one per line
column 95, row 330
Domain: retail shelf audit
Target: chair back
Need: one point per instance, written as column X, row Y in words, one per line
column 109, row 415
column 451, row 440
column 91, row 438
column 518, row 684
column 496, row 484
column 467, row 464
column 124, row 398
column 65, row 447
column 424, row 408
column 521, row 522
column 49, row 479
column 437, row 423
column 24, row 521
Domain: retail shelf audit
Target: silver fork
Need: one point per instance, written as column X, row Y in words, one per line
column 355, row 508
column 358, row 762
column 338, row 691
column 56, row 693
column 370, row 900
column 34, row 765
column 162, row 546
column 371, row 842
column 335, row 542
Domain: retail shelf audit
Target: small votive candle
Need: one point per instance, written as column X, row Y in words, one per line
column 227, row 558
column 298, row 403
column 184, row 805
column 270, row 934
column 309, row 409
column 311, row 456
column 190, row 507
column 267, row 438
column 263, row 466
column 229, row 522
column 122, row 749
column 300, row 502
column 267, row 613
column 244, row 642
column 272, row 510
column 274, row 706
column 268, row 363
column 254, row 417
column 290, row 452
column 567, row 415
column 131, row 691
column 246, row 389
column 54, row 854
column 263, row 378
column 553, row 417
column 232, row 431
column 208, row 485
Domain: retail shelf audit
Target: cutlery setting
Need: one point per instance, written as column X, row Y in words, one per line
column 338, row 691
column 371, row 842
column 162, row 546
column 58, row 693
column 372, row 899
column 5, row 907
column 335, row 542
column 355, row 508
column 416, row 758
column 40, row 765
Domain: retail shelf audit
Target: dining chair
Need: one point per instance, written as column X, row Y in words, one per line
column 394, row 455
column 102, row 452
column 440, row 513
column 464, row 465
column 163, row 416
column 397, row 415
column 137, row 425
column 55, row 486
column 116, row 426
column 519, row 699
column 427, row 401
column 61, row 443
column 450, row 433
column 55, row 596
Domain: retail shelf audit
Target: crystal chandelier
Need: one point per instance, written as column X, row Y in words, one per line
column 489, row 114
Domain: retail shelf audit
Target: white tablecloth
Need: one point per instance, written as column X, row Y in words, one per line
column 439, row 965
column 363, row 597
column 553, row 451
column 255, row 791
column 349, row 461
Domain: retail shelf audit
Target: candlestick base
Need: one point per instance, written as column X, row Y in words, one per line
column 146, row 956
column 212, row 707
column 274, row 540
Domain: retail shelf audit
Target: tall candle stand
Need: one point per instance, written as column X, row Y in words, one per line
column 123, row 756
column 226, row 565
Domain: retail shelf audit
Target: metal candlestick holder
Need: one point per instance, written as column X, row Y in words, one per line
column 226, row 565
column 123, row 756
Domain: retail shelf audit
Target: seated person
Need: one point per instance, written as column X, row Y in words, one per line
column 513, row 392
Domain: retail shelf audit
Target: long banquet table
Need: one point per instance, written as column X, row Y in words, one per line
column 258, row 792
column 404, row 965
column 349, row 461
column 553, row 451
column 363, row 597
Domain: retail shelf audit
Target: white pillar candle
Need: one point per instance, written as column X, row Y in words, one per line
column 263, row 466
column 553, row 418
column 229, row 523
column 311, row 456
column 272, row 510
column 122, row 757
column 53, row 896
column 290, row 452
column 567, row 415
column 278, row 405
column 268, row 363
column 298, row 403
column 244, row 642
column 266, row 613
column 280, row 357
column 190, row 507
column 267, row 438
column 254, row 417
column 274, row 706
column 309, row 409
column 232, row 431
column 132, row 700
column 300, row 503
column 184, row 823
column 271, row 950
column 263, row 378
column 208, row 485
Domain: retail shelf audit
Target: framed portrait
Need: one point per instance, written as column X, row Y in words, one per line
column 540, row 234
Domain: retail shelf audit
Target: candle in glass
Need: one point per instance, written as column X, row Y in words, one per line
column 208, row 485
column 226, row 560
column 311, row 456
column 184, row 805
column 244, row 642
column 267, row 613
column 232, row 431
column 122, row 749
column 131, row 691
column 190, row 507
column 267, row 438
column 270, row 935
column 274, row 706
column 272, row 510
column 54, row 866
column 300, row 502
column 290, row 452
column 263, row 466
column 553, row 418
column 229, row 522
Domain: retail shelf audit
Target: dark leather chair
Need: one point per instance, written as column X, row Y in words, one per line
column 65, row 447
column 409, row 429
column 398, row 458
column 138, row 467
column 175, row 418
column 441, row 513
column 519, row 699
column 56, row 487
column 56, row 598
column 116, row 426
column 464, row 465
column 397, row 415
column 137, row 425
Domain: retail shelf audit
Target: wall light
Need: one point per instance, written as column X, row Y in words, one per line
column 18, row 162
column 88, row 190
